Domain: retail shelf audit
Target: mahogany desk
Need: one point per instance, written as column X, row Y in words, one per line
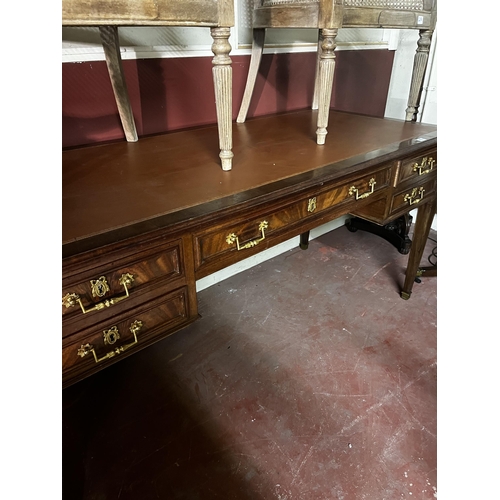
column 142, row 221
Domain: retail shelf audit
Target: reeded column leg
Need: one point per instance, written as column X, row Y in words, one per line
column 325, row 76
column 223, row 79
column 417, row 78
column 316, row 75
column 423, row 224
column 259, row 35
column 111, row 46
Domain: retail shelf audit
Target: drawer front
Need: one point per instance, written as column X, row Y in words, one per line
column 410, row 198
column 94, row 348
column 102, row 291
column 417, row 167
column 246, row 233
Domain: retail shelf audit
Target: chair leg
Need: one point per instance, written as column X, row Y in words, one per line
column 417, row 78
column 316, row 76
column 223, row 79
column 111, row 46
column 325, row 77
column 259, row 35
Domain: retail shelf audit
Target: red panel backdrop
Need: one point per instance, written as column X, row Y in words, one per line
column 170, row 94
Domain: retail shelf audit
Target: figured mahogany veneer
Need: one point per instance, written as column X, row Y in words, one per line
column 162, row 210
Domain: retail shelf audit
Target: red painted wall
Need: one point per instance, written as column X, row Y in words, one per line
column 170, row 94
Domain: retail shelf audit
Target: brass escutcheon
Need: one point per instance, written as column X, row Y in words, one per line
column 111, row 335
column 99, row 287
column 311, row 204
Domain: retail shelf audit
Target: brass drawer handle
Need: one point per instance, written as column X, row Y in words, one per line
column 354, row 190
column 416, row 195
column 110, row 337
column 99, row 288
column 428, row 163
column 231, row 238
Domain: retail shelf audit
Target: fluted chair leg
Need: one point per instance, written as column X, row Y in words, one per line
column 417, row 77
column 325, row 81
column 223, row 79
column 316, row 75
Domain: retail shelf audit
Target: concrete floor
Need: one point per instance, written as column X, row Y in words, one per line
column 306, row 378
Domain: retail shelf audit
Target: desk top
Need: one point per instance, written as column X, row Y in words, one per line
column 116, row 190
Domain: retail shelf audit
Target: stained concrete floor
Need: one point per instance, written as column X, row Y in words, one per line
column 307, row 377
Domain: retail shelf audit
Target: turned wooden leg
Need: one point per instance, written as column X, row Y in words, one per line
column 423, row 224
column 259, row 35
column 325, row 77
column 417, row 78
column 111, row 46
column 223, row 79
column 304, row 240
column 316, row 75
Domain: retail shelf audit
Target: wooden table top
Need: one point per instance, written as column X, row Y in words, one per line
column 118, row 185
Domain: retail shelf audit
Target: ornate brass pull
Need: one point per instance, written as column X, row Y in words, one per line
column 416, row 195
column 110, row 337
column 231, row 238
column 428, row 164
column 354, row 190
column 99, row 288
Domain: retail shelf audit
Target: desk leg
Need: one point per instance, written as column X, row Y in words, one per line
column 425, row 216
column 111, row 46
column 223, row 78
column 304, row 240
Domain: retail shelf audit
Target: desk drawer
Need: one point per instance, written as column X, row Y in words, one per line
column 96, row 293
column 225, row 242
column 410, row 198
column 417, row 167
column 94, row 348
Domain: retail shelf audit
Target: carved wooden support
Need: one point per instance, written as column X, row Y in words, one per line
column 325, row 77
column 222, row 75
column 111, row 46
column 395, row 232
column 417, row 78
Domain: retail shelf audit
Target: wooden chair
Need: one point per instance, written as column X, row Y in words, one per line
column 218, row 15
column 328, row 16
